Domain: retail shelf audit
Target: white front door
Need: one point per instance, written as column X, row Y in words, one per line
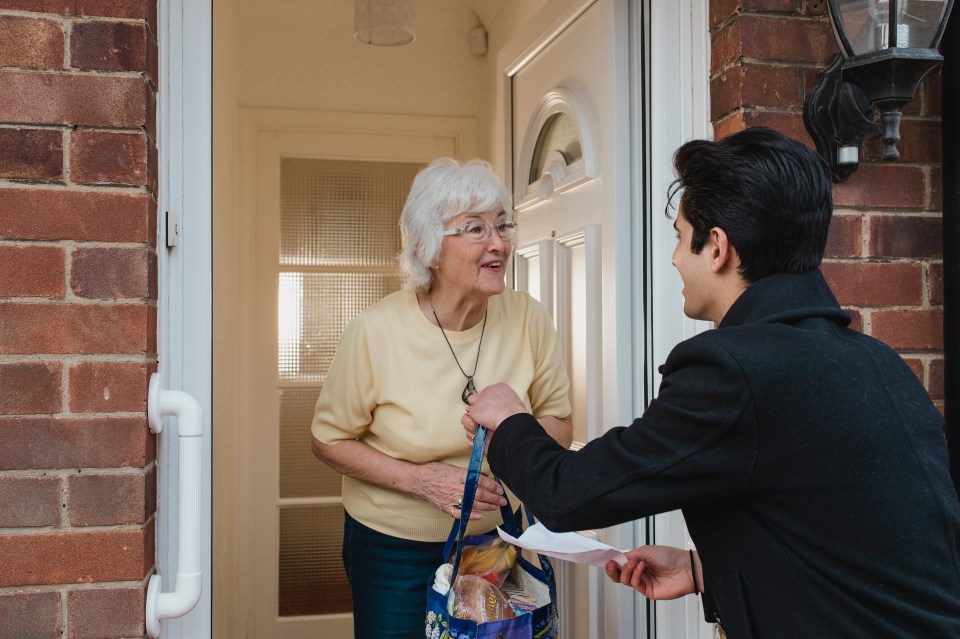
column 569, row 192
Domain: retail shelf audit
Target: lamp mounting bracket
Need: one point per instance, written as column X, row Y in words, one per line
column 838, row 115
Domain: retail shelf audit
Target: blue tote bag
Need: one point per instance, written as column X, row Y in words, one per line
column 539, row 582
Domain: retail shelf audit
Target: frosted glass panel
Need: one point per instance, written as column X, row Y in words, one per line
column 338, row 246
column 336, row 213
column 312, row 579
column 559, row 133
column 302, row 474
column 314, row 308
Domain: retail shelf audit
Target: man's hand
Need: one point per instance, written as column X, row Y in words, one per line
column 489, row 407
column 656, row 572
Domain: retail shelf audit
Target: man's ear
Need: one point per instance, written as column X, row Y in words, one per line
column 723, row 252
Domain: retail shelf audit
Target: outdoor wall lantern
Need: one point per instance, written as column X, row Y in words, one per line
column 887, row 47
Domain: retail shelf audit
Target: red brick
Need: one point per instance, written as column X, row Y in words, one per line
column 936, row 383
column 114, row 273
column 721, row 10
column 62, row 98
column 76, row 557
column 935, row 194
column 30, row 388
column 30, row 615
column 153, row 60
column 74, row 328
column 48, row 442
column 882, row 185
column 729, row 124
column 931, row 94
column 31, row 154
column 844, row 238
column 153, row 167
column 31, row 271
column 756, row 85
column 772, row 39
column 57, row 214
column 795, row 7
column 916, row 365
column 151, row 124
column 109, row 500
column 726, row 45
column 856, row 319
column 905, row 236
column 873, row 284
column 108, row 387
column 29, row 501
column 115, row 8
column 103, row 8
column 790, row 124
column 911, row 330
column 108, row 158
column 105, row 613
column 30, row 43
column 935, row 282
column 109, row 46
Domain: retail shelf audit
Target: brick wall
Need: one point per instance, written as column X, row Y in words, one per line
column 77, row 315
column 884, row 253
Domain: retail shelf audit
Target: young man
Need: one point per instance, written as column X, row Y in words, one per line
column 809, row 461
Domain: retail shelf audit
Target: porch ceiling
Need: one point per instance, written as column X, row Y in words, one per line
column 430, row 13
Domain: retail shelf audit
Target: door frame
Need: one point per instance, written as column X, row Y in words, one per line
column 184, row 274
column 677, row 91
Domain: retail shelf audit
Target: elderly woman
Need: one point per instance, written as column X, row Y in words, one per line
column 388, row 416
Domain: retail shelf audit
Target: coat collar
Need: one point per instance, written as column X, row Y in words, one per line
column 784, row 298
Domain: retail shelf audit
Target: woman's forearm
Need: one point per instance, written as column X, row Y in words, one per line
column 359, row 461
column 560, row 429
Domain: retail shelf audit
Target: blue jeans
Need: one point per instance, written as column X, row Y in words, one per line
column 388, row 580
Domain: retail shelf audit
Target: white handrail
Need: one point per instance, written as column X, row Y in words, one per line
column 167, row 605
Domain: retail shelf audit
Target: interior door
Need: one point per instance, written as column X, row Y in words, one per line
column 565, row 192
column 325, row 232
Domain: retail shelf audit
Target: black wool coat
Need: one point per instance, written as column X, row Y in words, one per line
column 809, row 461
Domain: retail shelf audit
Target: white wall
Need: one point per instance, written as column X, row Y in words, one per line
column 301, row 54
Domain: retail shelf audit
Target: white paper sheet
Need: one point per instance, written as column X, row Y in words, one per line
column 569, row 546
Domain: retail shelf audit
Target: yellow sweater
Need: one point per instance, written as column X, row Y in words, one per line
column 394, row 386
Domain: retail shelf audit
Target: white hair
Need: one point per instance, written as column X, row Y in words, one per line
column 442, row 190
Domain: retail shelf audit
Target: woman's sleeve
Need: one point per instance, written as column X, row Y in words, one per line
column 550, row 389
column 344, row 409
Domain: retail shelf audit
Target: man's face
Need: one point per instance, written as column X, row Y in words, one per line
column 695, row 271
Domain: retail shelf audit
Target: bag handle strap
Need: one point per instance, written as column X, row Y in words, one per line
column 511, row 525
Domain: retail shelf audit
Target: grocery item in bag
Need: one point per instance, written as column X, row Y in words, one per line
column 477, row 599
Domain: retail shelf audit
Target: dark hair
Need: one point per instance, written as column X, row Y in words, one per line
column 770, row 194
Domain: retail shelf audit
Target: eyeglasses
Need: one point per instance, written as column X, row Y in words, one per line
column 480, row 231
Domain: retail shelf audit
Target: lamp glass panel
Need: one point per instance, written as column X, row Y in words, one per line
column 921, row 20
column 867, row 23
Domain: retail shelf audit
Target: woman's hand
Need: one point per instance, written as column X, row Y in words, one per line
column 656, row 572
column 442, row 485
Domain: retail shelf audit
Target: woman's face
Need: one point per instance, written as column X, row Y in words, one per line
column 472, row 267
